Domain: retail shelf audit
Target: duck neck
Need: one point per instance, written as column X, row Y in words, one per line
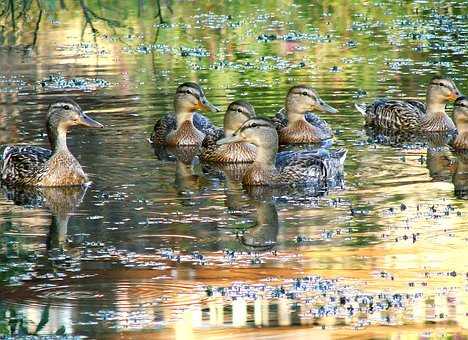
column 434, row 104
column 57, row 134
column 294, row 115
column 266, row 155
column 228, row 131
column 182, row 113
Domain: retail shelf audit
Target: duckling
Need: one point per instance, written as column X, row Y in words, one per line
column 185, row 127
column 35, row 166
column 296, row 124
column 237, row 113
column 286, row 168
column 460, row 115
column 412, row 115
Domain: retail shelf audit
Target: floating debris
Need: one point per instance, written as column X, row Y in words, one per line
column 59, row 82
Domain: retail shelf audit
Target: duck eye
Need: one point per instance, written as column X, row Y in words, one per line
column 239, row 110
column 441, row 84
column 304, row 93
column 66, row 107
column 188, row 92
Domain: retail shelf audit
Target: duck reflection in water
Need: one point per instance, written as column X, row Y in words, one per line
column 189, row 178
column 61, row 201
column 460, row 175
column 440, row 163
column 262, row 236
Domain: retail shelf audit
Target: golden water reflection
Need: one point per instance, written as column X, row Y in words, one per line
column 137, row 255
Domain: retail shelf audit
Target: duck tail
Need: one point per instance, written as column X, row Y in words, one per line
column 5, row 153
column 340, row 155
column 361, row 108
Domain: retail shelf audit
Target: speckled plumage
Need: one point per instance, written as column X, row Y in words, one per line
column 313, row 130
column 36, row 166
column 229, row 153
column 298, row 168
column 194, row 132
column 460, row 115
column 237, row 113
column 27, row 165
column 285, row 168
column 296, row 124
column 185, row 127
column 413, row 115
column 394, row 114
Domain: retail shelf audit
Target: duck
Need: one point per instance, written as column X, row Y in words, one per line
column 237, row 113
column 413, row 115
column 29, row 165
column 288, row 168
column 296, row 124
column 460, row 115
column 185, row 127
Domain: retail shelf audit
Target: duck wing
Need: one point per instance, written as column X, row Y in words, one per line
column 168, row 123
column 24, row 165
column 280, row 120
column 310, row 165
column 162, row 128
column 393, row 114
column 206, row 126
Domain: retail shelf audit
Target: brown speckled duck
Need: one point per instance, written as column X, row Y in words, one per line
column 460, row 116
column 287, row 167
column 237, row 113
column 412, row 115
column 296, row 124
column 35, row 166
column 185, row 127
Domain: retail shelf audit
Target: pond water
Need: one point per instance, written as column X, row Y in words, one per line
column 164, row 247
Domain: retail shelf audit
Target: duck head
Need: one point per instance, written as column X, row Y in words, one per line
column 460, row 112
column 190, row 97
column 441, row 90
column 302, row 99
column 236, row 114
column 63, row 115
column 66, row 113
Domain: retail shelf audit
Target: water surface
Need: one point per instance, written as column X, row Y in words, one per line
column 164, row 247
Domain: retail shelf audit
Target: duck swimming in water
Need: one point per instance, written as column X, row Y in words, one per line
column 185, row 127
column 288, row 167
column 29, row 165
column 460, row 115
column 296, row 124
column 237, row 113
column 413, row 115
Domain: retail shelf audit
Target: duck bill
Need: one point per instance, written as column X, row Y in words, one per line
column 229, row 139
column 87, row 121
column 324, row 107
column 453, row 96
column 204, row 104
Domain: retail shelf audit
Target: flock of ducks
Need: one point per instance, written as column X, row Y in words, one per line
column 244, row 137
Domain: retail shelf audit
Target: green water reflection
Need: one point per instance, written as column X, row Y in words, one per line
column 139, row 249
